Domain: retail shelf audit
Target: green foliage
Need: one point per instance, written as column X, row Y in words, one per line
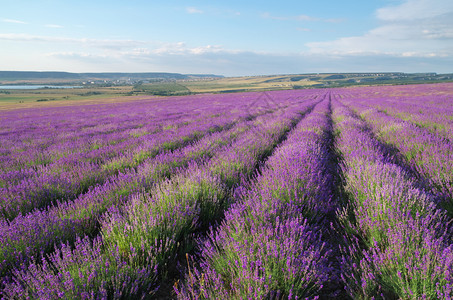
column 162, row 89
column 162, row 219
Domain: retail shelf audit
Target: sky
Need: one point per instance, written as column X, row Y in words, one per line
column 230, row 38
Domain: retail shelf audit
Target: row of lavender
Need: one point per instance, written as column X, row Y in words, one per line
column 427, row 153
column 429, row 107
column 163, row 200
column 77, row 160
column 398, row 179
column 374, row 224
column 28, row 235
column 74, row 173
column 397, row 242
column 397, row 235
column 271, row 243
column 436, row 119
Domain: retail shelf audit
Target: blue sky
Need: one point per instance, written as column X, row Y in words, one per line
column 231, row 38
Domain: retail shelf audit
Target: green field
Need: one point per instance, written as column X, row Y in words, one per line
column 281, row 82
column 221, row 85
column 162, row 89
column 30, row 98
column 110, row 90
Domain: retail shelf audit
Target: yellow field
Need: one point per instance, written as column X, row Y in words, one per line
column 12, row 99
column 252, row 83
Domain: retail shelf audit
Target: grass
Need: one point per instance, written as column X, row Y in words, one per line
column 12, row 99
column 222, row 85
column 163, row 89
column 161, row 222
column 233, row 84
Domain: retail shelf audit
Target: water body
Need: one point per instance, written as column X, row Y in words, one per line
column 36, row 87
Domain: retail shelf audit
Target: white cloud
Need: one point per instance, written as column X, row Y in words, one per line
column 305, row 18
column 299, row 18
column 267, row 15
column 114, row 48
column 13, row 21
column 207, row 49
column 183, row 58
column 80, row 55
column 414, row 28
column 193, row 10
column 170, row 48
column 162, row 52
column 181, row 48
column 415, row 10
column 232, row 63
column 338, row 20
column 97, row 43
column 106, row 57
column 53, row 26
column 408, row 41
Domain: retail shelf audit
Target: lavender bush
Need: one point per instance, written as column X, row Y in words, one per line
column 340, row 193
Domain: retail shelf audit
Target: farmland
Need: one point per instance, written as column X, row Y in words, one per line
column 114, row 87
column 332, row 193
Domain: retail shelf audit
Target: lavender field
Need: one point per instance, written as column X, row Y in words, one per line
column 318, row 193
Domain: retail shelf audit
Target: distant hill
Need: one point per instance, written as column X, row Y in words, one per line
column 66, row 76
